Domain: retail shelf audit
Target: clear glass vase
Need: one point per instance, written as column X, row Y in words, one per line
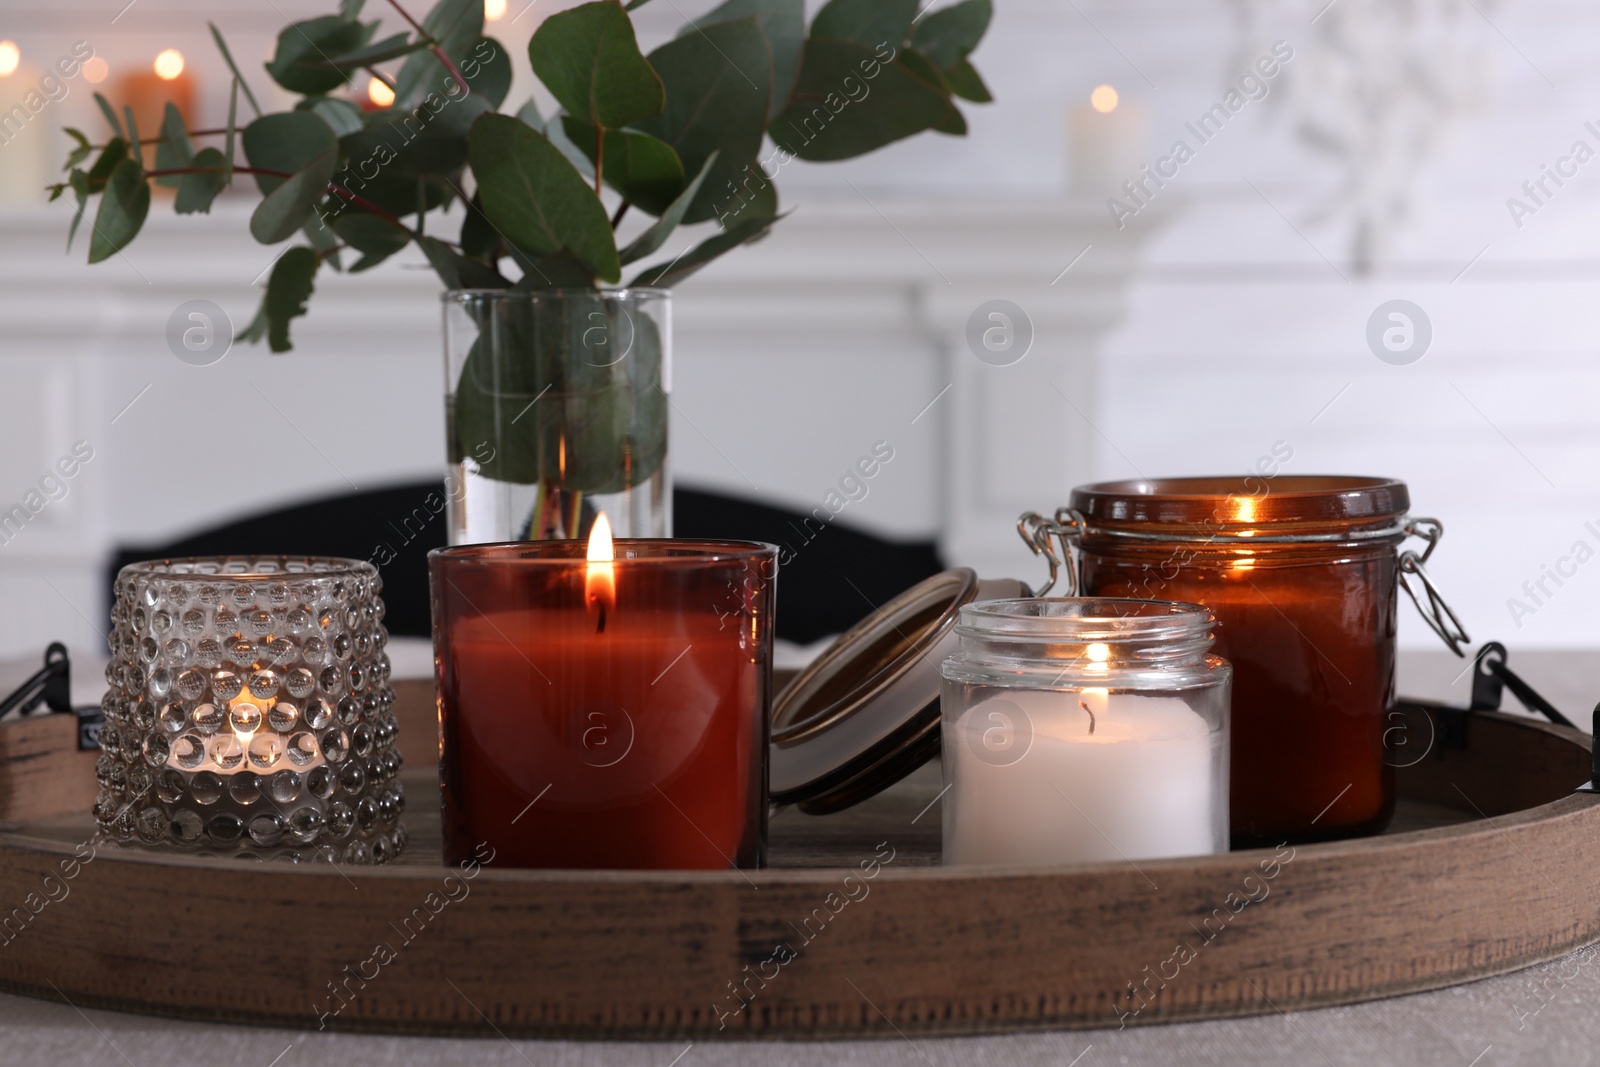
column 555, row 410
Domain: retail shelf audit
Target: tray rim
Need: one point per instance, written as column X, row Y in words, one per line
column 17, row 848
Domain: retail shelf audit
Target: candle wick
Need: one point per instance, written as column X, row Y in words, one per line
column 601, row 628
column 1085, row 707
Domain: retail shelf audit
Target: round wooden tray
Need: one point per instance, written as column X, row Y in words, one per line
column 1493, row 873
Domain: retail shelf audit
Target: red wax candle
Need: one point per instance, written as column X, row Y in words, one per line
column 598, row 714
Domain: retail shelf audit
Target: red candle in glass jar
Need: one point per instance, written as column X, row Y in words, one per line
column 600, row 712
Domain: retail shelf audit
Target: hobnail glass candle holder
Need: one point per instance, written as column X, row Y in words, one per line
column 249, row 711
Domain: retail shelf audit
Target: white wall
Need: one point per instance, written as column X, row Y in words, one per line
column 793, row 357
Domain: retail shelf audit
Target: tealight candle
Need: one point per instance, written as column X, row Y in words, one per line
column 605, row 705
column 250, row 710
column 1078, row 731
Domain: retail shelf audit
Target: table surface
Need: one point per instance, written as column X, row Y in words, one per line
column 1544, row 1015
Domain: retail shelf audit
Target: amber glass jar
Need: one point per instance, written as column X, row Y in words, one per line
column 1302, row 575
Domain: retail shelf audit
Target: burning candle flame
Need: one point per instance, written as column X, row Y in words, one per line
column 169, row 64
column 379, row 93
column 600, row 582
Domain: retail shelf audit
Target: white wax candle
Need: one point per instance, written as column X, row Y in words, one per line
column 1139, row 786
column 1105, row 148
column 25, row 137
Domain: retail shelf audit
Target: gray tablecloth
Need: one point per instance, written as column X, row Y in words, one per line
column 1547, row 1015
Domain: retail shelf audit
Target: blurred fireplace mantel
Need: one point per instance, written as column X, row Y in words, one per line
column 846, row 326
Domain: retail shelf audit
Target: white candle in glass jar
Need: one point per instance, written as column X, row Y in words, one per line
column 1031, row 782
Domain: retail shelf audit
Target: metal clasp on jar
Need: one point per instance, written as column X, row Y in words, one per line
column 1435, row 612
column 1042, row 535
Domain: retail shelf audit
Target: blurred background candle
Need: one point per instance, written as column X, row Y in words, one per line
column 605, row 706
column 148, row 92
column 25, row 136
column 1106, row 143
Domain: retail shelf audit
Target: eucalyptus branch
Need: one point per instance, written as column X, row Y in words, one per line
column 158, row 140
column 449, row 64
column 588, row 57
column 357, row 200
column 175, row 171
column 354, row 199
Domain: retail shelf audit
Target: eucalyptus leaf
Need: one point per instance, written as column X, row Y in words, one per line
column 392, row 47
column 79, row 181
column 954, row 125
column 589, row 59
column 231, row 132
column 824, row 123
column 755, row 196
column 174, row 151
column 257, row 327
column 669, row 274
column 401, row 146
column 288, row 289
column 351, row 9
column 656, row 236
column 110, row 157
column 570, row 394
column 227, row 57
column 123, row 207
column 479, row 239
column 535, row 197
column 289, row 142
column 964, row 81
column 556, row 131
column 719, row 82
column 324, row 241
column 375, row 238
column 783, row 22
column 197, row 191
column 456, row 25
column 456, row 270
column 875, row 23
column 487, row 69
column 396, row 193
column 82, row 148
column 646, row 171
column 494, row 396
column 111, row 115
column 291, row 204
column 341, row 115
column 922, row 67
column 301, row 63
column 134, row 148
column 560, row 271
column 949, row 35
column 529, row 113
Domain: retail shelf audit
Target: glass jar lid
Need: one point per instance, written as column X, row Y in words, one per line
column 866, row 712
column 1297, row 507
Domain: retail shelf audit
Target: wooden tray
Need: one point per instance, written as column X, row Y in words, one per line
column 1498, row 879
